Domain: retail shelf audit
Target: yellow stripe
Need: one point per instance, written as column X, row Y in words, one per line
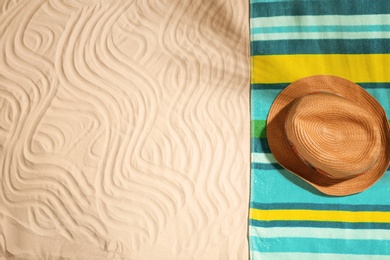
column 320, row 215
column 288, row 68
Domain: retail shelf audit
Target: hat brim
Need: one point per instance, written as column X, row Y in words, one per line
column 285, row 156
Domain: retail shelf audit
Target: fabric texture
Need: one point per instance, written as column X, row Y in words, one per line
column 289, row 219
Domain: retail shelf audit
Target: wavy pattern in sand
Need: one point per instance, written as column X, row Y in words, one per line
column 124, row 129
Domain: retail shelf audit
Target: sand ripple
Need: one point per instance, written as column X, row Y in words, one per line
column 124, row 129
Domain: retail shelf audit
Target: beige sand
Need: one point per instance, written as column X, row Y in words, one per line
column 124, row 129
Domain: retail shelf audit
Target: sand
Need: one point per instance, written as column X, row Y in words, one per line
column 124, row 129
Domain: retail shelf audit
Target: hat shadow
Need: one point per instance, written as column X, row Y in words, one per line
column 288, row 175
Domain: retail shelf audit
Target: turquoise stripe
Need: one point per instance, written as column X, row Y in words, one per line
column 262, row 99
column 327, row 7
column 320, row 46
column 320, row 245
column 383, row 97
column 292, row 189
column 254, row 255
column 290, row 29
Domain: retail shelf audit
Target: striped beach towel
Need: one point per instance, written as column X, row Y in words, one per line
column 290, row 40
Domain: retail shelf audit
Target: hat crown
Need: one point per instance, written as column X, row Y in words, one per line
column 333, row 134
column 363, row 109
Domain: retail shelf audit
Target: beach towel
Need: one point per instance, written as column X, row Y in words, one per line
column 289, row 219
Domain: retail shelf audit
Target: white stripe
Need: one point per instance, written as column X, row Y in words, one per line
column 310, row 256
column 263, row 158
column 320, row 20
column 327, row 233
column 319, row 35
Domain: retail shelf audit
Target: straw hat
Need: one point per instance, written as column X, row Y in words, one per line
column 331, row 133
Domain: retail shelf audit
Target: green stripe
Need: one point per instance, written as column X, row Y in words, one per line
column 326, row 46
column 258, row 128
column 327, row 7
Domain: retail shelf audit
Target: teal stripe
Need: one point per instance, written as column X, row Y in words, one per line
column 275, row 1
column 320, row 245
column 329, row 28
column 266, row 166
column 319, row 36
column 328, row 7
column 269, row 86
column 320, row 46
column 260, row 145
column 292, row 189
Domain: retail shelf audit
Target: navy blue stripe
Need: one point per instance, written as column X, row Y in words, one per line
column 283, row 85
column 326, row 7
column 319, row 224
column 266, row 166
column 260, row 145
column 325, row 46
column 314, row 206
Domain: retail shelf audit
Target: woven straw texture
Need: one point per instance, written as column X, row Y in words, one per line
column 344, row 134
column 290, row 40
